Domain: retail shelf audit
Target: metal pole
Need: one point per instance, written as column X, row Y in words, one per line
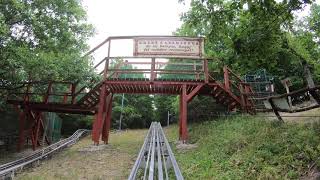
column 289, row 97
column 168, row 118
column 122, row 100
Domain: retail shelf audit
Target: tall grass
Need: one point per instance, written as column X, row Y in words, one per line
column 250, row 148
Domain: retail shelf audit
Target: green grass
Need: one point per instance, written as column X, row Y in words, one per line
column 112, row 162
column 249, row 148
column 234, row 148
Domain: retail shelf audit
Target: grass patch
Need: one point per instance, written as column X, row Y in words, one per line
column 249, row 148
column 113, row 162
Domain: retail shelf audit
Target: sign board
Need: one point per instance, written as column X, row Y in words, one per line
column 168, row 47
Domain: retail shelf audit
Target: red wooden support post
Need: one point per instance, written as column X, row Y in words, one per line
column 155, row 67
column 22, row 121
column 206, row 71
column 27, row 97
column 246, row 100
column 183, row 114
column 73, row 90
column 184, row 99
column 152, row 75
column 106, row 66
column 46, row 97
column 23, row 116
column 33, row 128
column 226, row 78
column 180, row 117
column 197, row 76
column 94, row 132
column 36, row 129
column 65, row 97
column 107, row 121
column 98, row 122
column 242, row 96
column 32, row 138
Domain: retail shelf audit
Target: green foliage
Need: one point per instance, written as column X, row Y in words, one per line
column 8, row 125
column 307, row 35
column 163, row 104
column 250, row 148
column 73, row 122
column 43, row 40
column 137, row 111
column 314, row 21
column 248, row 35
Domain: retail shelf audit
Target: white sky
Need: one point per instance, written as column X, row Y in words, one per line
column 132, row 17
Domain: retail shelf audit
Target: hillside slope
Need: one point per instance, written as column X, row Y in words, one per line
column 250, row 148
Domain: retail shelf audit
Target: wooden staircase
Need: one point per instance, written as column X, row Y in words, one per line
column 232, row 92
column 218, row 91
column 91, row 99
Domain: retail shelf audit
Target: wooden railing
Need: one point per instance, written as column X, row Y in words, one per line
column 234, row 84
column 276, row 106
column 153, row 69
column 52, row 91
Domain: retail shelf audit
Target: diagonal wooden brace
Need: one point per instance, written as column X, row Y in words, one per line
column 184, row 99
column 192, row 94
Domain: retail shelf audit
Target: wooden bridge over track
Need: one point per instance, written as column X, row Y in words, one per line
column 186, row 77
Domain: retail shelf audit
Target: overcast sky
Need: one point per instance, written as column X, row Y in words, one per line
column 133, row 17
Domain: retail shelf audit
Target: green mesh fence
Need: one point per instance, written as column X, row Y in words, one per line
column 262, row 84
column 52, row 126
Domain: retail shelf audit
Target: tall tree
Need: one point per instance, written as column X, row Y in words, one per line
column 43, row 40
column 247, row 34
column 306, row 33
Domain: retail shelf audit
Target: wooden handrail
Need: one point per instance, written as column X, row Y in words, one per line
column 45, row 82
column 293, row 93
column 234, row 74
column 99, row 63
column 50, row 94
column 159, row 70
column 124, row 37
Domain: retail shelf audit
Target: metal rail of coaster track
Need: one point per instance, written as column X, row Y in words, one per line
column 9, row 169
column 155, row 157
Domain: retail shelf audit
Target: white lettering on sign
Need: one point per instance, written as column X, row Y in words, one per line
column 168, row 47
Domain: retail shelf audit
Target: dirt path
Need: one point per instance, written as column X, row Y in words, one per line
column 84, row 161
column 305, row 116
column 299, row 117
